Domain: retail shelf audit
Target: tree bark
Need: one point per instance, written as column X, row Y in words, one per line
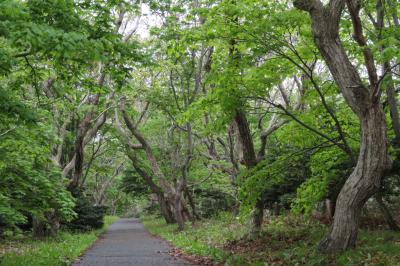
column 391, row 98
column 362, row 183
column 149, row 152
column 165, row 206
column 79, row 151
column 163, row 191
column 250, row 160
column 330, row 209
column 249, row 155
column 373, row 159
column 257, row 219
column 46, row 228
column 180, row 219
column 192, row 204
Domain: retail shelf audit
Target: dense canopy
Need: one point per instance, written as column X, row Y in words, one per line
column 191, row 110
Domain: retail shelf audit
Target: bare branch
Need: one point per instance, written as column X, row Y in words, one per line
column 7, row 131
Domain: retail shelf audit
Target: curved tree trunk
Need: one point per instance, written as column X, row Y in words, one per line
column 362, row 183
column 373, row 159
column 165, row 206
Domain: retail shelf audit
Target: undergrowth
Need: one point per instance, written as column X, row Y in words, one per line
column 285, row 240
column 61, row 250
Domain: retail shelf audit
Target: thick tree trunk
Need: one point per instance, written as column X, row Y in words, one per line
column 157, row 171
column 373, row 159
column 165, row 208
column 174, row 196
column 38, row 228
column 79, row 152
column 365, row 180
column 187, row 216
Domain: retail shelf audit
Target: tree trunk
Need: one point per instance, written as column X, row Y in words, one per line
column 192, row 204
column 46, row 228
column 180, row 219
column 79, row 154
column 250, row 160
column 39, row 228
column 362, row 183
column 165, row 206
column 187, row 216
column 257, row 219
column 276, row 208
column 387, row 71
column 392, row 103
column 246, row 141
column 330, row 209
column 373, row 159
column 165, row 209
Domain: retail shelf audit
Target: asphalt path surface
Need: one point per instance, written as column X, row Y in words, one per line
column 128, row 243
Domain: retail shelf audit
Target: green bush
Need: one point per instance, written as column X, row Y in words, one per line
column 212, row 201
column 89, row 216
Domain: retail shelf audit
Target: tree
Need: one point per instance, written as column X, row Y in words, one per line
column 373, row 159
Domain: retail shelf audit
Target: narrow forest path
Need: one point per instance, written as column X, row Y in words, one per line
column 128, row 243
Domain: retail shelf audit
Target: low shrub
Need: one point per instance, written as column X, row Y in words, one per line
column 88, row 215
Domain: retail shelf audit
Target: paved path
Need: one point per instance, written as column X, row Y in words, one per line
column 127, row 243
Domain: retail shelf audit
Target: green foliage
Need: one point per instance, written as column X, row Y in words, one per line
column 88, row 215
column 29, row 184
column 40, row 41
column 202, row 64
column 200, row 240
column 329, row 170
column 275, row 179
column 59, row 251
column 210, row 202
column 286, row 240
column 133, row 183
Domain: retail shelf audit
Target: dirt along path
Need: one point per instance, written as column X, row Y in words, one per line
column 128, row 243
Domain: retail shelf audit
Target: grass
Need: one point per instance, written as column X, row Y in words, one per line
column 58, row 251
column 285, row 240
column 204, row 239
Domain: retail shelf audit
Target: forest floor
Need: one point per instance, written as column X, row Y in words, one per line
column 128, row 243
column 58, row 251
column 286, row 240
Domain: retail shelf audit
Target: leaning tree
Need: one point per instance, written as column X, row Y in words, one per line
column 364, row 100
